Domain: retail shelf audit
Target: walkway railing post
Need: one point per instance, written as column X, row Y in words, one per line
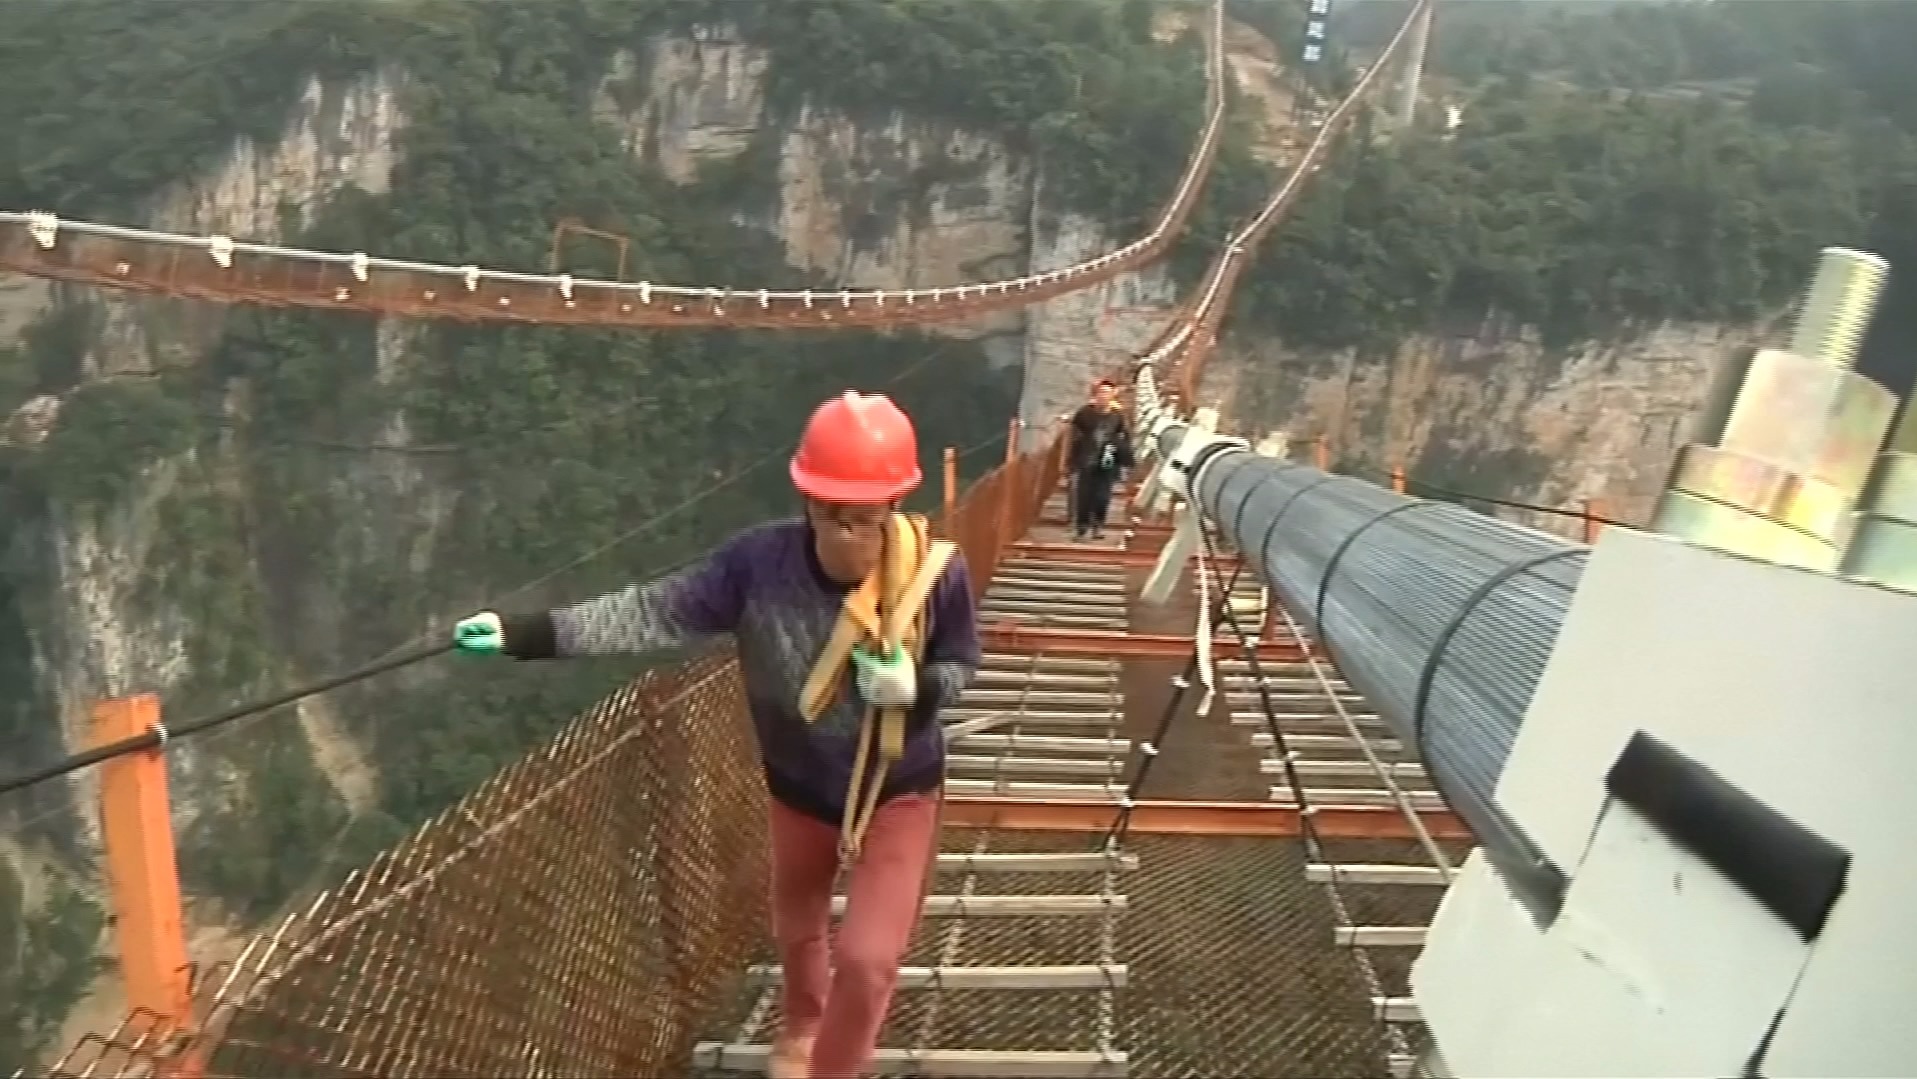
column 1321, row 454
column 951, row 485
column 1397, row 479
column 1592, row 525
column 136, row 827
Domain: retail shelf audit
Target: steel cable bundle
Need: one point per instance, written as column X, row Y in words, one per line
column 1441, row 617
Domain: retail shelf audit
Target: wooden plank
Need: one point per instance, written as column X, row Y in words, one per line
column 1026, row 717
column 1387, row 747
column 1022, row 789
column 1010, row 906
column 1096, row 862
column 956, row 1063
column 1048, row 743
column 1054, row 679
column 1164, row 817
column 1022, row 695
column 1368, row 724
column 1372, row 873
column 1396, row 1009
column 1021, row 661
column 1379, row 936
column 1358, row 796
column 1066, row 766
column 1324, row 769
column 1075, row 976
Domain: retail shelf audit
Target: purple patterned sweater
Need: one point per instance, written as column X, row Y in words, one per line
column 765, row 587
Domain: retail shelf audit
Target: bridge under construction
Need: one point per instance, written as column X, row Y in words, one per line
column 1299, row 775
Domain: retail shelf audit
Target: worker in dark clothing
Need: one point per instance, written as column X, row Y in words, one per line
column 1101, row 451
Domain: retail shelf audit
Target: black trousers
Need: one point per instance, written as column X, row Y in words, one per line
column 1092, row 498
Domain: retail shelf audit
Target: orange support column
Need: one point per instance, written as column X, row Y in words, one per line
column 142, row 873
column 1592, row 526
column 1397, row 480
column 1011, row 438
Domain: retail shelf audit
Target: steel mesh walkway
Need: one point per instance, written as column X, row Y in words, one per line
column 598, row 908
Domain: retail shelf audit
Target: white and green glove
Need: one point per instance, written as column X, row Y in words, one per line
column 482, row 635
column 885, row 682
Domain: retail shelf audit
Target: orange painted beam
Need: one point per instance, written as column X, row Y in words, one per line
column 1192, row 818
column 1007, row 636
column 136, row 828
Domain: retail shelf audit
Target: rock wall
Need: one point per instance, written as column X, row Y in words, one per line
column 1487, row 408
column 891, row 201
column 102, row 628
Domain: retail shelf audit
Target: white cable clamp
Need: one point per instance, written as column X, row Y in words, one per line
column 159, row 732
column 221, row 248
column 471, row 274
column 44, row 228
column 1204, row 626
column 361, row 265
column 565, row 286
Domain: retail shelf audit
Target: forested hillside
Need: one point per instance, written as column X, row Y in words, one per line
column 291, row 494
column 227, row 502
column 1615, row 168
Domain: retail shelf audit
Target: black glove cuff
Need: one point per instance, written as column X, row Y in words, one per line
column 528, row 636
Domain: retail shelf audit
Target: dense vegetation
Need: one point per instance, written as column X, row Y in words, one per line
column 1729, row 142
column 380, row 482
column 333, row 487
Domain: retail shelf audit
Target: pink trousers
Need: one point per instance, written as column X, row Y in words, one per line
column 838, row 996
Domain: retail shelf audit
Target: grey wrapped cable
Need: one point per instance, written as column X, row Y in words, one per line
column 1441, row 617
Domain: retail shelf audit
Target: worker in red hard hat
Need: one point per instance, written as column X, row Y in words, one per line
column 1100, row 451
column 853, row 631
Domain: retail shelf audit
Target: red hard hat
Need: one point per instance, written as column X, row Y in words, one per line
column 857, row 448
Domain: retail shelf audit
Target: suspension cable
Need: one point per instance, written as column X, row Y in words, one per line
column 406, row 655
column 159, row 735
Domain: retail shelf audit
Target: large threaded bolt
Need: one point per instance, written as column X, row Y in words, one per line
column 1838, row 305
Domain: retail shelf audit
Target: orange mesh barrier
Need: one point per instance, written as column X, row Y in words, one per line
column 582, row 913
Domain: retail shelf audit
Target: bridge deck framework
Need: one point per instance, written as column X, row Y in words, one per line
column 1205, row 941
column 1254, row 916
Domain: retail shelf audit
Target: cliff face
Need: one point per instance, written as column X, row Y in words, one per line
column 888, row 201
column 167, row 585
column 1488, row 409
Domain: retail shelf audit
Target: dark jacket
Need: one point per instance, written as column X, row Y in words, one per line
column 766, row 589
column 1093, row 431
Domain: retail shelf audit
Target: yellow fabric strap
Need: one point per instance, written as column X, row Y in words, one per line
column 887, row 610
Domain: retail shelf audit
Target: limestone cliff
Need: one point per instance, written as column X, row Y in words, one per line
column 1487, row 408
column 131, row 590
column 891, row 201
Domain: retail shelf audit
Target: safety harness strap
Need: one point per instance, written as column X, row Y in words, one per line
column 886, row 611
